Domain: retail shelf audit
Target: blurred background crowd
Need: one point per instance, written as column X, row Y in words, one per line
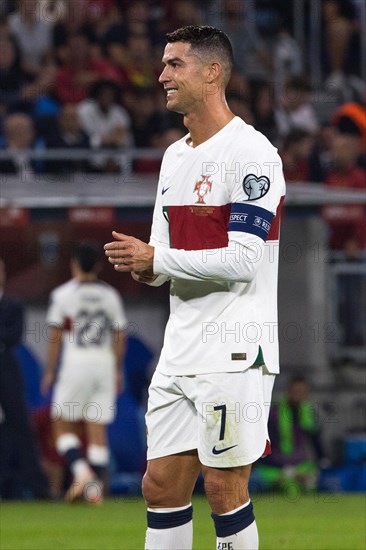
column 79, row 88
column 84, row 75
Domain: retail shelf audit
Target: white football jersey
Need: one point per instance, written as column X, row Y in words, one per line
column 88, row 313
column 216, row 234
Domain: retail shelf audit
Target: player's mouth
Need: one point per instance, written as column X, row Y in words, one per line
column 170, row 92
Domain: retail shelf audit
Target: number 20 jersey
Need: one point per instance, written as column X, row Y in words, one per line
column 216, row 199
column 88, row 313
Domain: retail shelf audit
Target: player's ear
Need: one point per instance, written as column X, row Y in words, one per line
column 214, row 71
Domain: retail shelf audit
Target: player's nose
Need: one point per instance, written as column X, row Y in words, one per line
column 164, row 76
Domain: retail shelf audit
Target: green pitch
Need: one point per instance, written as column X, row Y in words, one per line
column 317, row 522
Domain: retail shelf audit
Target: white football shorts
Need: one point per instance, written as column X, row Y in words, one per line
column 222, row 415
column 85, row 392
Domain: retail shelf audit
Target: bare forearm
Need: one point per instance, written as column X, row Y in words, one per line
column 53, row 353
column 119, row 347
column 54, row 349
column 235, row 263
column 238, row 262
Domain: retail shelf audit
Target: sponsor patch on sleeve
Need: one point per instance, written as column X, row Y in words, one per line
column 249, row 218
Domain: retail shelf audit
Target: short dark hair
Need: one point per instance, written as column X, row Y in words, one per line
column 208, row 41
column 87, row 255
column 101, row 85
column 346, row 125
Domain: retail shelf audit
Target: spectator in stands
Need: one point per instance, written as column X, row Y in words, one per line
column 250, row 52
column 167, row 136
column 103, row 118
column 286, row 55
column 137, row 64
column 81, row 70
column 297, row 451
column 238, row 85
column 7, row 7
column 101, row 14
column 138, row 17
column 350, row 118
column 21, row 476
column 275, row 23
column 161, row 140
column 262, row 107
column 12, row 76
column 105, row 121
column 320, row 158
column 34, row 60
column 345, row 172
column 160, row 120
column 33, row 36
column 4, row 28
column 52, row 10
column 347, row 224
column 67, row 135
column 271, row 14
column 184, row 12
column 295, row 155
column 295, row 109
column 136, row 21
column 73, row 20
column 141, row 104
column 340, row 29
column 93, row 17
column 19, row 139
column 240, row 107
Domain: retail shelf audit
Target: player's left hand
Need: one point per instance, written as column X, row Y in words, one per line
column 147, row 276
column 129, row 254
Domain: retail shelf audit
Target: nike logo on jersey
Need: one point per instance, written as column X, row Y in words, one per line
column 219, row 451
column 165, row 190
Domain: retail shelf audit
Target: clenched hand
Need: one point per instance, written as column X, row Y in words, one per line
column 128, row 254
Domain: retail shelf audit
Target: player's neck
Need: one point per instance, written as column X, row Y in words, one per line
column 206, row 123
column 86, row 277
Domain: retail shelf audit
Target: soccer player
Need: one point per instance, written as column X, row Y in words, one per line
column 86, row 319
column 215, row 237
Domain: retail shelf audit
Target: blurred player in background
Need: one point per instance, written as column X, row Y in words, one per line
column 86, row 318
column 215, row 237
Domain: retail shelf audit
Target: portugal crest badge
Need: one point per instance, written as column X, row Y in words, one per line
column 202, row 187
